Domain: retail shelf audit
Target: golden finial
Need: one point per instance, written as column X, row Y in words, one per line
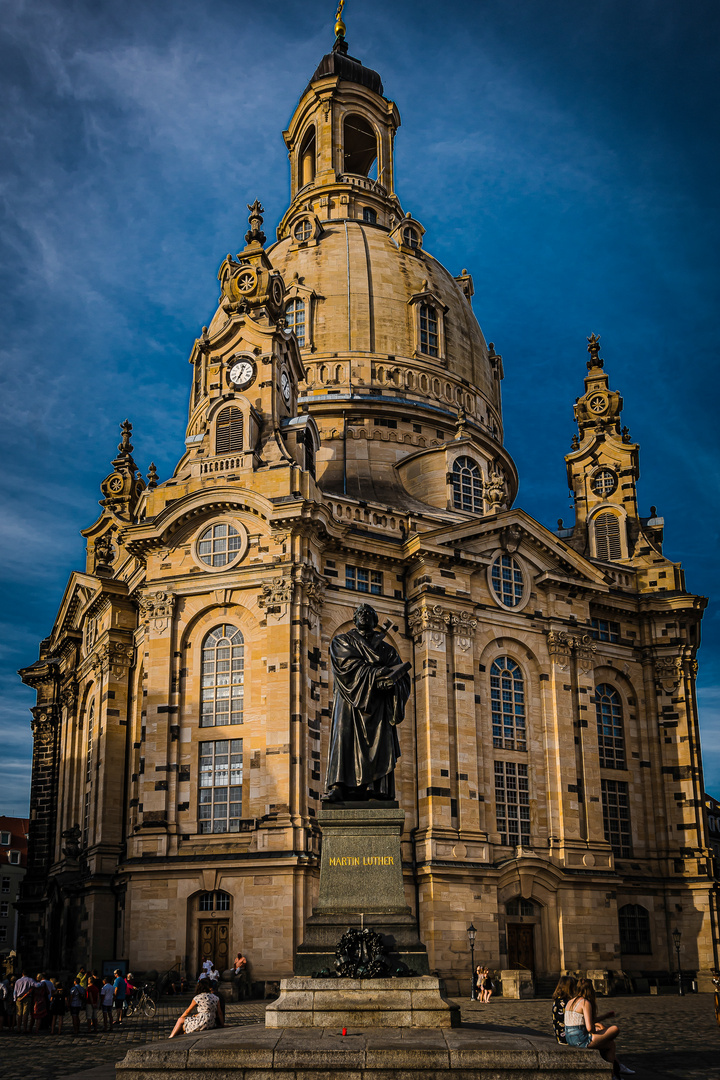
column 339, row 24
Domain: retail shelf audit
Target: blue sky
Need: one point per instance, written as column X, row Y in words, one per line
column 565, row 153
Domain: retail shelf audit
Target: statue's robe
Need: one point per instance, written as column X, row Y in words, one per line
column 364, row 746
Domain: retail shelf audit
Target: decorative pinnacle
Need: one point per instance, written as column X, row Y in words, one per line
column 152, row 477
column 255, row 233
column 125, row 447
column 340, row 28
column 594, row 350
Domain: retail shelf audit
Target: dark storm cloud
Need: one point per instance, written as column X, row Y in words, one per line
column 565, row 153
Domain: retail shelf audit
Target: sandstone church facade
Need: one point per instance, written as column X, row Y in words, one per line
column 345, row 444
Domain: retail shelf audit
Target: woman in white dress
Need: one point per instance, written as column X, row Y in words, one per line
column 203, row 1012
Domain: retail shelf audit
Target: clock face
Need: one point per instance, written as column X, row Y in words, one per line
column 285, row 387
column 597, row 403
column 242, row 373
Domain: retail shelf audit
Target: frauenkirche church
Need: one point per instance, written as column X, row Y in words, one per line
column 344, row 444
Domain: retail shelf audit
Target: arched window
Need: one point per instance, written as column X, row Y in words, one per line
column 609, row 714
column 306, row 171
column 369, row 215
column 295, row 319
column 223, row 677
column 429, row 336
column 467, row 485
column 410, row 238
column 607, row 537
column 634, row 930
column 507, row 701
column 229, row 431
column 360, row 145
column 309, row 444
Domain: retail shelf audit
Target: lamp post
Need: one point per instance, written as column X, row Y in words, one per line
column 471, row 932
column 676, row 934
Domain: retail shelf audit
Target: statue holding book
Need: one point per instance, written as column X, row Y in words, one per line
column 372, row 686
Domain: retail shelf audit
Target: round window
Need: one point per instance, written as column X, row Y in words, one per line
column 220, row 545
column 303, row 230
column 508, row 581
column 604, row 482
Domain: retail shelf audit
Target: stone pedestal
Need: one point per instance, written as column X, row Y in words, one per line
column 361, row 885
column 259, row 1053
column 362, row 1003
column 517, row 983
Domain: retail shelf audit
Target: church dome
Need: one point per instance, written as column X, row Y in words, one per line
column 367, row 287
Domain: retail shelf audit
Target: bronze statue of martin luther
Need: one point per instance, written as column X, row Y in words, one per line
column 372, row 686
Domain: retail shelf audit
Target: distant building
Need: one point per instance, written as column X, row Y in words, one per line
column 345, row 443
column 13, row 865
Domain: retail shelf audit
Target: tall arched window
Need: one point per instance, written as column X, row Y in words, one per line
column 507, row 699
column 467, row 485
column 360, row 145
column 634, row 924
column 295, row 319
column 607, row 537
column 309, row 444
column 429, row 335
column 307, row 158
column 609, row 714
column 229, row 431
column 223, row 677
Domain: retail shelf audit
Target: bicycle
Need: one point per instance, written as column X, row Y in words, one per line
column 142, row 1003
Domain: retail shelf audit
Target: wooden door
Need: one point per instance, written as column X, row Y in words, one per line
column 214, row 937
column 520, row 946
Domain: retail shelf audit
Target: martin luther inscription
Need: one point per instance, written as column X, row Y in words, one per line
column 363, row 860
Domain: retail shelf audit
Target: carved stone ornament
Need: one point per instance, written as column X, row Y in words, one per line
column 157, row 608
column 114, row 659
column 71, row 836
column 43, row 727
column 495, row 495
column 276, row 595
column 104, row 550
column 69, row 695
column 668, row 671
column 510, row 538
column 561, row 645
column 439, row 622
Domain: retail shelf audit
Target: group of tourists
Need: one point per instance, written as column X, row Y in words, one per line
column 484, row 983
column 31, row 1005
column 576, row 1022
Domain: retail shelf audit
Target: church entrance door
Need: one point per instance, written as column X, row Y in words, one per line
column 521, row 953
column 213, row 942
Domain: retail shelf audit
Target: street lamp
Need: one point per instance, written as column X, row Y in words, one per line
column 676, row 935
column 471, row 932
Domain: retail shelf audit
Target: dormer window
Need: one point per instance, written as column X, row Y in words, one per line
column 411, row 238
column 467, row 485
column 303, row 231
column 229, row 431
column 295, row 317
column 429, row 331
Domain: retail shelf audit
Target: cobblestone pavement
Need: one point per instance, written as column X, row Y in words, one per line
column 666, row 1037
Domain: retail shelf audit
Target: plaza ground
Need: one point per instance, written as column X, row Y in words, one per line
column 665, row 1037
